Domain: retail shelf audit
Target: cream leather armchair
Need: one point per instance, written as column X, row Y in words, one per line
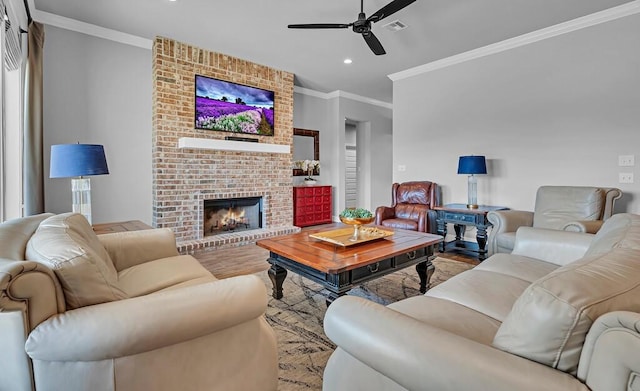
column 124, row 311
column 567, row 208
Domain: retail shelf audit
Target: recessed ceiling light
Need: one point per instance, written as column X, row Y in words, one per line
column 347, row 61
column 173, row 1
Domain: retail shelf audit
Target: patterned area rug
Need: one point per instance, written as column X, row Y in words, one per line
column 297, row 318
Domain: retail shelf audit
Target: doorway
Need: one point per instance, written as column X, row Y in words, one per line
column 351, row 165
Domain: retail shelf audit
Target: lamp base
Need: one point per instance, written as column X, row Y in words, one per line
column 81, row 197
column 472, row 187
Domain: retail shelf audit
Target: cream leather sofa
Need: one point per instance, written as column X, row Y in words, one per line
column 568, row 208
column 562, row 312
column 124, row 311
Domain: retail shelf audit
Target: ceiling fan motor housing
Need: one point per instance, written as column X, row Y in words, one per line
column 362, row 25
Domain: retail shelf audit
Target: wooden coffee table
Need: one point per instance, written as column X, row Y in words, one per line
column 338, row 268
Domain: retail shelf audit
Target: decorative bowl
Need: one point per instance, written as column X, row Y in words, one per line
column 357, row 221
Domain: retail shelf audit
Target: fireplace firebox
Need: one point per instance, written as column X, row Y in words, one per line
column 232, row 215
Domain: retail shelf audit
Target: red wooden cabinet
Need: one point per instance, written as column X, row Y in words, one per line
column 311, row 205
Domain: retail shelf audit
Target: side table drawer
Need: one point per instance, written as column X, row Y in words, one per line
column 303, row 191
column 459, row 217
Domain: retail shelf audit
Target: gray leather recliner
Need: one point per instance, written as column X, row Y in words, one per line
column 567, row 208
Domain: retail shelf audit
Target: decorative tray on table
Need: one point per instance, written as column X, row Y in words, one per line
column 346, row 236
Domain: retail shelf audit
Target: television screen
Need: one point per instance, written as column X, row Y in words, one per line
column 231, row 107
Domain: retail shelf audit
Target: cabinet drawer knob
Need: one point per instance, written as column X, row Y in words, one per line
column 412, row 255
column 373, row 268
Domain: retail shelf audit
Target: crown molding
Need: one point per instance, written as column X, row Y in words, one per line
column 342, row 94
column 364, row 99
column 310, row 92
column 607, row 15
column 90, row 29
column 129, row 39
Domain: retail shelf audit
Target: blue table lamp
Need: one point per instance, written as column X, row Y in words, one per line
column 472, row 165
column 78, row 160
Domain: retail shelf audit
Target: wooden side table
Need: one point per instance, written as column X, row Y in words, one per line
column 120, row 226
column 461, row 217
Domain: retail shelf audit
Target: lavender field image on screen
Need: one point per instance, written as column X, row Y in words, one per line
column 231, row 107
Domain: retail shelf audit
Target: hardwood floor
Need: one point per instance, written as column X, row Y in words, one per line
column 249, row 259
column 235, row 261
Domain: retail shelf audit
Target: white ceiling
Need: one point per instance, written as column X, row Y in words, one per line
column 256, row 30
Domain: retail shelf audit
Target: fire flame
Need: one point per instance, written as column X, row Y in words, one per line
column 232, row 217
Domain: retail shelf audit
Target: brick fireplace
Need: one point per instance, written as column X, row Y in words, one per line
column 186, row 174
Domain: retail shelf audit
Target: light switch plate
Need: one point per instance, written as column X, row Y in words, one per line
column 626, row 160
column 625, row 177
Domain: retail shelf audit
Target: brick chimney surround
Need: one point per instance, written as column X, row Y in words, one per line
column 193, row 165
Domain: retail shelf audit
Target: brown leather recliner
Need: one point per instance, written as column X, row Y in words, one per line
column 411, row 207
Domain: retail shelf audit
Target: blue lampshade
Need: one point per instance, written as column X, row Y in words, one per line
column 472, row 165
column 71, row 160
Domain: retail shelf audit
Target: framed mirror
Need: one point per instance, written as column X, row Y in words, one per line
column 306, row 146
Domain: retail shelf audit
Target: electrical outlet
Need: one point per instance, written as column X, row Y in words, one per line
column 402, row 167
column 625, row 177
column 626, row 160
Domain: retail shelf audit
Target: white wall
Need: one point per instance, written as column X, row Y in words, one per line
column 559, row 111
column 556, row 112
column 98, row 91
column 328, row 116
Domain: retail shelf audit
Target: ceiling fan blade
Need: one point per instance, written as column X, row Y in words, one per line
column 389, row 9
column 319, row 26
column 374, row 43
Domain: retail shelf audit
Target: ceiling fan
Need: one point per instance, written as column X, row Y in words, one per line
column 363, row 24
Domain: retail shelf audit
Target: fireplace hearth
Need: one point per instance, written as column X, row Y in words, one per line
column 232, row 215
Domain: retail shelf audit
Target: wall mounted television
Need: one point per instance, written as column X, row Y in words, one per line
column 230, row 107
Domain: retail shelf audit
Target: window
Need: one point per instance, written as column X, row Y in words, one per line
column 12, row 84
column 11, row 116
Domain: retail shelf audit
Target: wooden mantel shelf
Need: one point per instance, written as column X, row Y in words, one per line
column 228, row 145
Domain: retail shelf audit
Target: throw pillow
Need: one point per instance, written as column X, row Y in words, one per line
column 67, row 244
